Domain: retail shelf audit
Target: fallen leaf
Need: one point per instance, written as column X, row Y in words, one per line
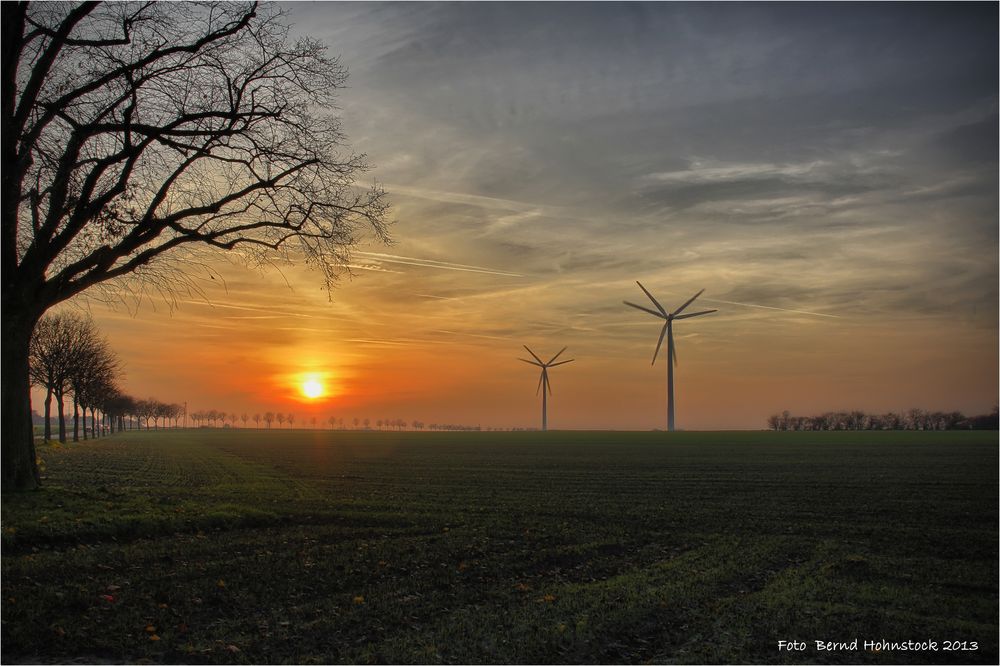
column 109, row 598
column 232, row 648
column 359, row 599
column 150, row 629
column 154, row 637
column 221, row 583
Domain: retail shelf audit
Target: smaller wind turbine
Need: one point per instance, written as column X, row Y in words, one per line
column 668, row 330
column 543, row 381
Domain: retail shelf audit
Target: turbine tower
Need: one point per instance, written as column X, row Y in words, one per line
column 668, row 330
column 543, row 381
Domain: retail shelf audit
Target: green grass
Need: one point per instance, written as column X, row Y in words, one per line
column 264, row 547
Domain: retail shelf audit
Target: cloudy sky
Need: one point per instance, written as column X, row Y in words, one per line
column 827, row 173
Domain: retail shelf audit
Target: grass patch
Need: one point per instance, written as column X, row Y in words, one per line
column 319, row 547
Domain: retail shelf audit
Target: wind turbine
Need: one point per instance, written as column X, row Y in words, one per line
column 668, row 330
column 543, row 381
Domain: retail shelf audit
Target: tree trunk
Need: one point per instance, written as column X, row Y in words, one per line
column 48, row 413
column 18, row 469
column 62, row 416
column 76, row 418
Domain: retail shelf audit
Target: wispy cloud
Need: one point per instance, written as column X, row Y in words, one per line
column 771, row 307
column 431, row 263
column 700, row 172
column 473, row 335
column 495, row 203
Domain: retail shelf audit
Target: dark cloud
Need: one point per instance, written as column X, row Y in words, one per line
column 769, row 142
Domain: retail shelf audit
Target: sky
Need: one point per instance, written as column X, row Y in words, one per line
column 826, row 172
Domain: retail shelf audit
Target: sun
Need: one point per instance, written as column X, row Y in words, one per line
column 312, row 388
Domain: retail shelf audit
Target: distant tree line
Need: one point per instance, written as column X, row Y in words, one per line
column 914, row 419
column 214, row 418
column 70, row 360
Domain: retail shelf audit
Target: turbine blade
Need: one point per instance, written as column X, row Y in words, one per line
column 673, row 350
column 534, row 355
column 652, row 312
column 548, row 383
column 686, row 303
column 663, row 331
column 527, row 361
column 540, row 378
column 556, row 356
column 552, row 365
column 655, row 302
column 694, row 314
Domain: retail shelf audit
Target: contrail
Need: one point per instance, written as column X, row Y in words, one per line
column 771, row 307
column 248, row 308
column 440, row 298
column 468, row 199
column 430, row 263
column 473, row 335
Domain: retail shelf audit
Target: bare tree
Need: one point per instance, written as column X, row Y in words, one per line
column 95, row 372
column 269, row 419
column 59, row 348
column 256, row 419
column 281, row 419
column 132, row 130
column 291, row 420
column 244, row 418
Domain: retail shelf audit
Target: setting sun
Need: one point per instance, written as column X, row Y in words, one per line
column 312, row 388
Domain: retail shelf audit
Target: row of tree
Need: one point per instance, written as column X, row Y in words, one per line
column 914, row 419
column 216, row 418
column 134, row 413
column 70, row 360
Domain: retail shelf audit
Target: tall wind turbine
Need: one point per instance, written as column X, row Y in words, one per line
column 668, row 330
column 543, row 381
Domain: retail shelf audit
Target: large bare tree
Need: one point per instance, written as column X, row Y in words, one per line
column 132, row 130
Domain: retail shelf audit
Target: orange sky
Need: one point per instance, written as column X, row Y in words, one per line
column 390, row 346
column 827, row 173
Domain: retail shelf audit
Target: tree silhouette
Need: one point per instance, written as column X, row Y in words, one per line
column 60, row 347
column 291, row 420
column 256, row 419
column 281, row 419
column 269, row 419
column 129, row 130
column 94, row 373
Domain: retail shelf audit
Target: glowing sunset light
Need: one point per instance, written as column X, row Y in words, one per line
column 312, row 388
